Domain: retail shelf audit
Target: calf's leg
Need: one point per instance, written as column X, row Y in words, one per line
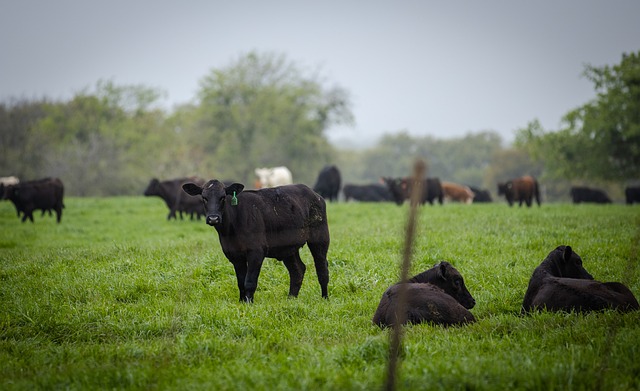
column 319, row 252
column 240, row 267
column 296, row 269
column 254, row 264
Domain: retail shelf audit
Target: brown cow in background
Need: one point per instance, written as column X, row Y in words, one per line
column 457, row 193
column 519, row 190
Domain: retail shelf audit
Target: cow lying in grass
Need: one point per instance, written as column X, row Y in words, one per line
column 437, row 296
column 274, row 223
column 561, row 283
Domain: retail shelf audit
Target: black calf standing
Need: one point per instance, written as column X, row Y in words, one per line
column 272, row 222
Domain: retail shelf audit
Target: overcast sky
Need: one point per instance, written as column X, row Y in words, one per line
column 442, row 68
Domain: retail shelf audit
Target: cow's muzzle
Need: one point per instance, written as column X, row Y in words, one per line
column 213, row 220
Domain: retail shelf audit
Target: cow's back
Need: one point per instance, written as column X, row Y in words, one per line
column 285, row 215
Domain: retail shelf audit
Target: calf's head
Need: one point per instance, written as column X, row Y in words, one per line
column 563, row 262
column 447, row 278
column 214, row 196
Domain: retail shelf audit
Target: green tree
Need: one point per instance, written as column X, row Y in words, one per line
column 262, row 110
column 21, row 152
column 600, row 139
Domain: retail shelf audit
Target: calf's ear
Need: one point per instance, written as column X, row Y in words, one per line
column 234, row 188
column 192, row 189
column 442, row 270
column 566, row 255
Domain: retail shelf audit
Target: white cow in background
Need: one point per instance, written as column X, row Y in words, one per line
column 9, row 180
column 274, row 176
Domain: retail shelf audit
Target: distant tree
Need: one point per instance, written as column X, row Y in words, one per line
column 262, row 110
column 102, row 142
column 464, row 160
column 393, row 155
column 600, row 139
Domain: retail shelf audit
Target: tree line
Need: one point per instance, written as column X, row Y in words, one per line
column 263, row 110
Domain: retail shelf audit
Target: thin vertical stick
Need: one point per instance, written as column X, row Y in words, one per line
column 419, row 170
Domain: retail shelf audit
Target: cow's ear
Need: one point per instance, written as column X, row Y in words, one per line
column 192, row 189
column 234, row 188
column 566, row 255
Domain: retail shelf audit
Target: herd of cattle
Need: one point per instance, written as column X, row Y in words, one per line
column 47, row 194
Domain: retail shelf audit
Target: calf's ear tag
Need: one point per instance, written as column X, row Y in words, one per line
column 234, row 199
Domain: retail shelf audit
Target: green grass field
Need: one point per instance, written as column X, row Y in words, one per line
column 117, row 297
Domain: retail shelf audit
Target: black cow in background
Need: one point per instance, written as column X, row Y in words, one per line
column 272, row 222
column 481, row 195
column 520, row 190
column 170, row 191
column 328, row 183
column 632, row 194
column 45, row 194
column 373, row 192
column 586, row 194
column 401, row 189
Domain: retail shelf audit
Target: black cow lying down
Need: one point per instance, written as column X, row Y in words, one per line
column 271, row 222
column 437, row 295
column 561, row 283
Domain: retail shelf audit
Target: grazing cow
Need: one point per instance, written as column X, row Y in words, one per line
column 585, row 194
column 328, row 183
column 561, row 283
column 437, row 295
column 374, row 192
column 175, row 198
column 632, row 194
column 457, row 193
column 480, row 195
column 520, row 190
column 272, row 177
column 401, row 188
column 271, row 223
column 45, row 194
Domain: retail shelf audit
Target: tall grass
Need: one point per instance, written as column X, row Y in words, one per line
column 117, row 297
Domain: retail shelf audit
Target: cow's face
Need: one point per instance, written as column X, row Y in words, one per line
column 570, row 264
column 214, row 197
column 451, row 281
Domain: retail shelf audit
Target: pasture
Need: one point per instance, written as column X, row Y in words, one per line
column 117, row 297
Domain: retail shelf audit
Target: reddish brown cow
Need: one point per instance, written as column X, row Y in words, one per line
column 457, row 193
column 520, row 190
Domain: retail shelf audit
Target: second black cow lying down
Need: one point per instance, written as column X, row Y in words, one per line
column 436, row 296
column 561, row 283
